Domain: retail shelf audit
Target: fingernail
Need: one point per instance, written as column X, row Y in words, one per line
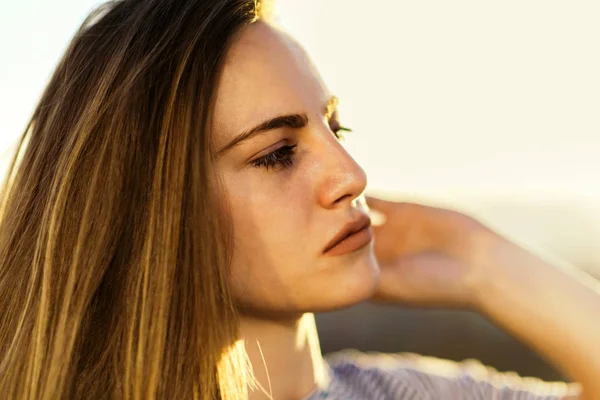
column 377, row 218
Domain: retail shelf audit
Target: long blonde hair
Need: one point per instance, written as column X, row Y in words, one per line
column 113, row 258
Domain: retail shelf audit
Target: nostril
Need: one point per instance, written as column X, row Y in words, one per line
column 343, row 198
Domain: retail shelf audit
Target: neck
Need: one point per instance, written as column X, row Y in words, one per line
column 285, row 356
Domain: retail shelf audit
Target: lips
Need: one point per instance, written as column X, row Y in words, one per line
column 359, row 225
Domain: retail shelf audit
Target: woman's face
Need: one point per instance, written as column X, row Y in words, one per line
column 291, row 186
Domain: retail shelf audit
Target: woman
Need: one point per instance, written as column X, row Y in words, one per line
column 181, row 205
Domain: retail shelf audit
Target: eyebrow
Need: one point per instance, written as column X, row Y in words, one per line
column 294, row 121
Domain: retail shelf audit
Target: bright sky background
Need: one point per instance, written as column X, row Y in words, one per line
column 459, row 97
column 448, row 99
column 464, row 96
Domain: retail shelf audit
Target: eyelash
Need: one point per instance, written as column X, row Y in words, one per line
column 283, row 156
column 339, row 129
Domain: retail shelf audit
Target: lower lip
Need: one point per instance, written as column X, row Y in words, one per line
column 351, row 243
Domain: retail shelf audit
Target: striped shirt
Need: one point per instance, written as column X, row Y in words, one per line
column 376, row 376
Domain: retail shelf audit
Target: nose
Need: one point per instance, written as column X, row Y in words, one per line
column 342, row 180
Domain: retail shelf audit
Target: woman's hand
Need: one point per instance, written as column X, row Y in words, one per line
column 430, row 256
column 436, row 257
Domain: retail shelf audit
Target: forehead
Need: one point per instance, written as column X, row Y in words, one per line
column 265, row 74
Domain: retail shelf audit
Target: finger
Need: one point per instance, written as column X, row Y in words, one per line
column 387, row 206
column 412, row 227
column 380, row 204
column 381, row 210
column 392, row 206
column 377, row 217
column 404, row 231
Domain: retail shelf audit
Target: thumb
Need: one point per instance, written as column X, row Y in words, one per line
column 380, row 204
column 387, row 207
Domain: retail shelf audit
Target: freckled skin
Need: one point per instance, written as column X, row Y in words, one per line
column 284, row 217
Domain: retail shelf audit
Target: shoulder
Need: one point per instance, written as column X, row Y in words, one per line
column 408, row 375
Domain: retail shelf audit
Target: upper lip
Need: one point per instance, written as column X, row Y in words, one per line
column 362, row 222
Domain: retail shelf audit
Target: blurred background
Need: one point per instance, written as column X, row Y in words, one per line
column 487, row 107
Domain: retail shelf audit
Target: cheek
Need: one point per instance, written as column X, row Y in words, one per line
column 269, row 222
column 266, row 221
column 269, row 207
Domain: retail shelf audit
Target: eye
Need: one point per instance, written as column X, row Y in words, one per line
column 282, row 157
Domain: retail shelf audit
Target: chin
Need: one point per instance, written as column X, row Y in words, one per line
column 355, row 282
column 341, row 282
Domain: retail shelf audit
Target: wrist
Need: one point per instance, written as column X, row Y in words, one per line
column 550, row 308
column 504, row 273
